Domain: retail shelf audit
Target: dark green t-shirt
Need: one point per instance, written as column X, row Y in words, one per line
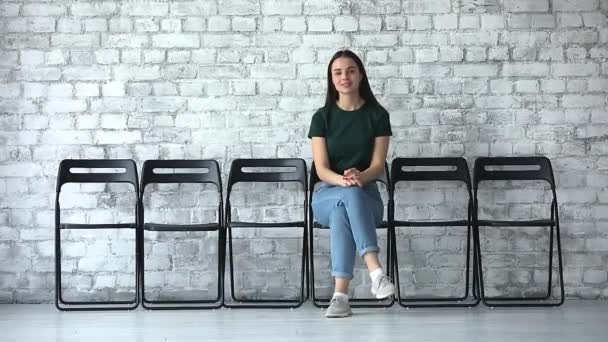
column 350, row 135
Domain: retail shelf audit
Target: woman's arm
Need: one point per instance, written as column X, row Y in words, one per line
column 321, row 158
column 376, row 168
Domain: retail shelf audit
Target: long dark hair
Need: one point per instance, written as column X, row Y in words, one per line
column 365, row 91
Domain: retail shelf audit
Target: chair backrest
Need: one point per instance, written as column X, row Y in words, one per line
column 67, row 175
column 298, row 174
column 314, row 177
column 211, row 176
column 460, row 171
column 512, row 169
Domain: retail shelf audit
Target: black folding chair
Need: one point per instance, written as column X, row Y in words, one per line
column 238, row 175
column 210, row 175
column 517, row 169
column 66, row 175
column 323, row 302
column 459, row 172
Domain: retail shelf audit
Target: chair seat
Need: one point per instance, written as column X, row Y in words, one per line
column 160, row 227
column 527, row 223
column 97, row 226
column 456, row 223
column 384, row 225
column 239, row 224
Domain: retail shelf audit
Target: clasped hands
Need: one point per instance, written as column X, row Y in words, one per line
column 352, row 177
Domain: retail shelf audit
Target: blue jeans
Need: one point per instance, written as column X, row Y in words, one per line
column 352, row 215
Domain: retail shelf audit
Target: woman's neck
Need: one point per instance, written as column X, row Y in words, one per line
column 350, row 102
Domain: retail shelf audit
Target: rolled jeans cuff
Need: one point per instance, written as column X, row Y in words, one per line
column 369, row 249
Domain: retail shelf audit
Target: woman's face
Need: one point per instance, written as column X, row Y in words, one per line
column 346, row 76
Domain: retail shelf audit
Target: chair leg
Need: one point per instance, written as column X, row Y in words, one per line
column 303, row 272
column 550, row 268
column 559, row 257
column 311, row 257
column 550, row 280
column 471, row 278
column 231, row 263
column 479, row 265
column 475, row 274
column 395, row 265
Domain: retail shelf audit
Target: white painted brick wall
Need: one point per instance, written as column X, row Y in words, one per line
column 242, row 78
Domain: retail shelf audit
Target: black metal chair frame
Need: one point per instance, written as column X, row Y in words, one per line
column 460, row 173
column 211, row 176
column 65, row 175
column 355, row 302
column 237, row 175
column 544, row 172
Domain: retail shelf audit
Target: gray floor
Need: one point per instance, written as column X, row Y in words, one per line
column 575, row 321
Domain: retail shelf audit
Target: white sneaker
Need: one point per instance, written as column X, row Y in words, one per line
column 383, row 287
column 338, row 308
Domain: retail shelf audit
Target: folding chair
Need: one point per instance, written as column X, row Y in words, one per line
column 321, row 302
column 211, row 175
column 66, row 175
column 238, row 175
column 458, row 173
column 514, row 169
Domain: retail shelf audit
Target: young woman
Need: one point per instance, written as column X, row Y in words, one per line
column 350, row 137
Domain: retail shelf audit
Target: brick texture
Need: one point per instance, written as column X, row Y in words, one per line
column 242, row 78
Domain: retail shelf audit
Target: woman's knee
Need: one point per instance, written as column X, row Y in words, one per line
column 354, row 193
